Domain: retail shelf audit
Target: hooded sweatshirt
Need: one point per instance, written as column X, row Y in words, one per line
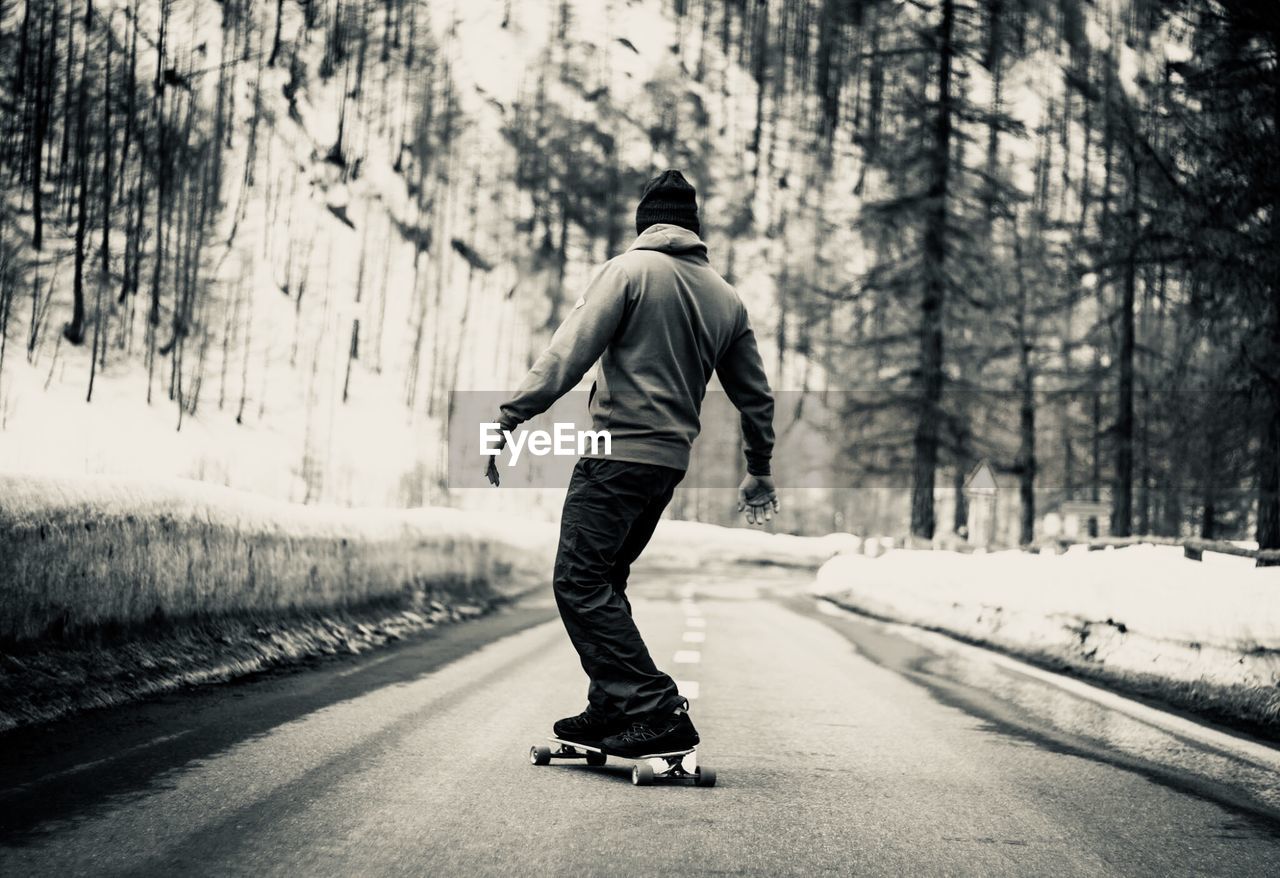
column 660, row 320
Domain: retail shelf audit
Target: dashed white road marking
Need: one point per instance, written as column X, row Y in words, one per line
column 695, row 622
column 687, row 657
column 694, row 637
column 688, row 688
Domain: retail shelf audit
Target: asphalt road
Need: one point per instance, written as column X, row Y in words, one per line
column 842, row 747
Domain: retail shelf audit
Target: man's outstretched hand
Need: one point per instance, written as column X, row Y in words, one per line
column 491, row 468
column 758, row 498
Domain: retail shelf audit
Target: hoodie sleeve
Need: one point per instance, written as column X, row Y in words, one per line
column 576, row 345
column 743, row 378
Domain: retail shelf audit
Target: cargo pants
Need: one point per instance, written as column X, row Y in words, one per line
column 610, row 512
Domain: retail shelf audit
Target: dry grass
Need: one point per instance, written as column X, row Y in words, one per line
column 79, row 556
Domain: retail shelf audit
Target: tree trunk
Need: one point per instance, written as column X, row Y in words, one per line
column 275, row 41
column 1027, row 459
column 1144, row 465
column 1208, row 521
column 97, row 335
column 935, row 291
column 106, row 158
column 960, row 510
column 992, row 59
column 1095, row 475
column 130, row 99
column 1269, row 482
column 74, row 331
column 1269, row 448
column 64, row 160
column 1027, row 408
column 1122, row 490
column 759, row 72
column 20, row 79
column 6, row 302
column 43, row 96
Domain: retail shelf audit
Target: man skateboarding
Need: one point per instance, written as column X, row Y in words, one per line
column 660, row 320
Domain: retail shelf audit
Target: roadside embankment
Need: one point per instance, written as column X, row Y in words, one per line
column 1203, row 636
column 114, row 589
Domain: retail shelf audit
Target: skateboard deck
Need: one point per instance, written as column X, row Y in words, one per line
column 675, row 765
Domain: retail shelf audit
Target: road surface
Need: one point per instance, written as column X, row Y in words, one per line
column 843, row 747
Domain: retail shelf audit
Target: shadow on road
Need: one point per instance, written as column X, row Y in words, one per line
column 90, row 763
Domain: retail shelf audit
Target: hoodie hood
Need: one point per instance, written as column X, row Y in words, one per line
column 672, row 240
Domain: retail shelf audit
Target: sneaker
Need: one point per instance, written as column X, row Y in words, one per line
column 589, row 727
column 663, row 734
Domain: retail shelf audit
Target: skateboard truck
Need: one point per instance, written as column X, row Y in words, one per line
column 681, row 765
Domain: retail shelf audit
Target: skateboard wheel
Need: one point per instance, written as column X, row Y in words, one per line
column 540, row 755
column 596, row 758
column 642, row 775
column 706, row 777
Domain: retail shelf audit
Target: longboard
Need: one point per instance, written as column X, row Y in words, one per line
column 676, row 765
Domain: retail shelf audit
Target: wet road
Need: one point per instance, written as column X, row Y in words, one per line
column 842, row 746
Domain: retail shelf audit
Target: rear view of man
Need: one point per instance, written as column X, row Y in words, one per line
column 660, row 320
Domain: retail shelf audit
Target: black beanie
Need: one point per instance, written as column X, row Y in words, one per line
column 668, row 198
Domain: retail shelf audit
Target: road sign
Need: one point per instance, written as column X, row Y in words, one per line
column 980, row 490
column 982, row 481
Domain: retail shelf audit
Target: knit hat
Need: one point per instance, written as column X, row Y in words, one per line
column 668, row 198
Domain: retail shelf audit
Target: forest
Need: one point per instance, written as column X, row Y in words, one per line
column 261, row 243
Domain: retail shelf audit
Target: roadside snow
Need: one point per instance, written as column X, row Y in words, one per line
column 1142, row 609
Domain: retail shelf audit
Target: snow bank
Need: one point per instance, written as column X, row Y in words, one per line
column 690, row 545
column 1142, row 611
column 78, row 554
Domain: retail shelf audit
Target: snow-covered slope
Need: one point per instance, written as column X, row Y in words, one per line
column 326, row 192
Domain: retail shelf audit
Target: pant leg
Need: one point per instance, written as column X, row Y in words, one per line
column 637, row 538
column 605, row 501
column 639, row 535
